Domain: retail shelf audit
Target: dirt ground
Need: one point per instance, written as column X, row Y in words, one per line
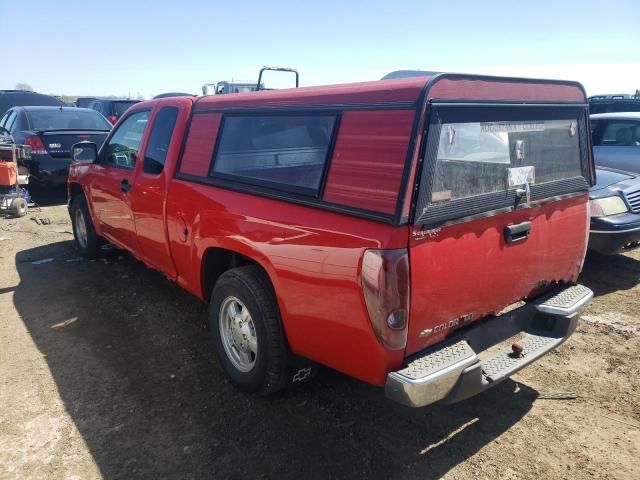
column 106, row 372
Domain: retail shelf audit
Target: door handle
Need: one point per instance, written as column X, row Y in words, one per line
column 125, row 186
column 517, row 233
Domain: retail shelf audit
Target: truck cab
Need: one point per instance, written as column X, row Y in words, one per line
column 421, row 234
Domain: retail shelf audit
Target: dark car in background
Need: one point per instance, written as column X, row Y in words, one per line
column 19, row 98
column 611, row 96
column 112, row 109
column 615, row 211
column 616, row 140
column 614, row 104
column 84, row 102
column 50, row 132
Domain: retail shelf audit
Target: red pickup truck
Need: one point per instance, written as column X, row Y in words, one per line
column 422, row 234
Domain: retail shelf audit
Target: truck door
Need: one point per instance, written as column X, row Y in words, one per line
column 113, row 181
column 501, row 213
column 148, row 199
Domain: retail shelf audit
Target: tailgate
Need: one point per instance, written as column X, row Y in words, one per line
column 501, row 214
column 59, row 142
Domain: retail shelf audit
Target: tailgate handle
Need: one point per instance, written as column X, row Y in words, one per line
column 517, row 233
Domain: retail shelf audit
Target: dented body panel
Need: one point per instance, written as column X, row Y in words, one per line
column 467, row 271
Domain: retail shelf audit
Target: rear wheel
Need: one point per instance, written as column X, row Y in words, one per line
column 248, row 336
column 86, row 240
column 19, row 207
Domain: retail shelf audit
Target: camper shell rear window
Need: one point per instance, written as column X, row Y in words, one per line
column 479, row 156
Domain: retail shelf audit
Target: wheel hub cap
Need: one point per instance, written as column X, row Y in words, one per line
column 81, row 229
column 238, row 334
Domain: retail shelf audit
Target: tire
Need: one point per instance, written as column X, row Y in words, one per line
column 19, row 207
column 85, row 238
column 244, row 295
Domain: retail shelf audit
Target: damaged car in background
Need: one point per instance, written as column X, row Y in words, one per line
column 614, row 203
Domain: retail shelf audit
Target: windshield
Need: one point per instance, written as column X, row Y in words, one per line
column 615, row 132
column 72, row 119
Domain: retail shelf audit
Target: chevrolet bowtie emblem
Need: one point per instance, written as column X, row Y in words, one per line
column 425, row 333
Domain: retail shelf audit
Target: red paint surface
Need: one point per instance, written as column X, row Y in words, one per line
column 312, row 257
column 111, row 207
column 469, row 269
column 388, row 91
column 400, row 90
column 198, row 150
column 148, row 197
column 496, row 89
column 369, row 159
column 408, row 194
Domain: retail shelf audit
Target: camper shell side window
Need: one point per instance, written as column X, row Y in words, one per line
column 284, row 152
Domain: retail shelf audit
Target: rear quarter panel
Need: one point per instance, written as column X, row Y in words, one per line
column 313, row 258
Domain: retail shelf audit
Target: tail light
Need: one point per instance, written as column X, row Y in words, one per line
column 36, row 144
column 385, row 284
column 112, row 119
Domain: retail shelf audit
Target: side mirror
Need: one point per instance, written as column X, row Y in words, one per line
column 84, row 152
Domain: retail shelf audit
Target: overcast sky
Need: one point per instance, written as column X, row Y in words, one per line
column 134, row 47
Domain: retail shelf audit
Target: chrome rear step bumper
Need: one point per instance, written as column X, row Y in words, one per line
column 452, row 371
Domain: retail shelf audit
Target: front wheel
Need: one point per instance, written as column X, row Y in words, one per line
column 248, row 336
column 85, row 238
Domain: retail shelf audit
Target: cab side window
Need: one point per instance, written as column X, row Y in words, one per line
column 284, row 152
column 159, row 140
column 123, row 147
